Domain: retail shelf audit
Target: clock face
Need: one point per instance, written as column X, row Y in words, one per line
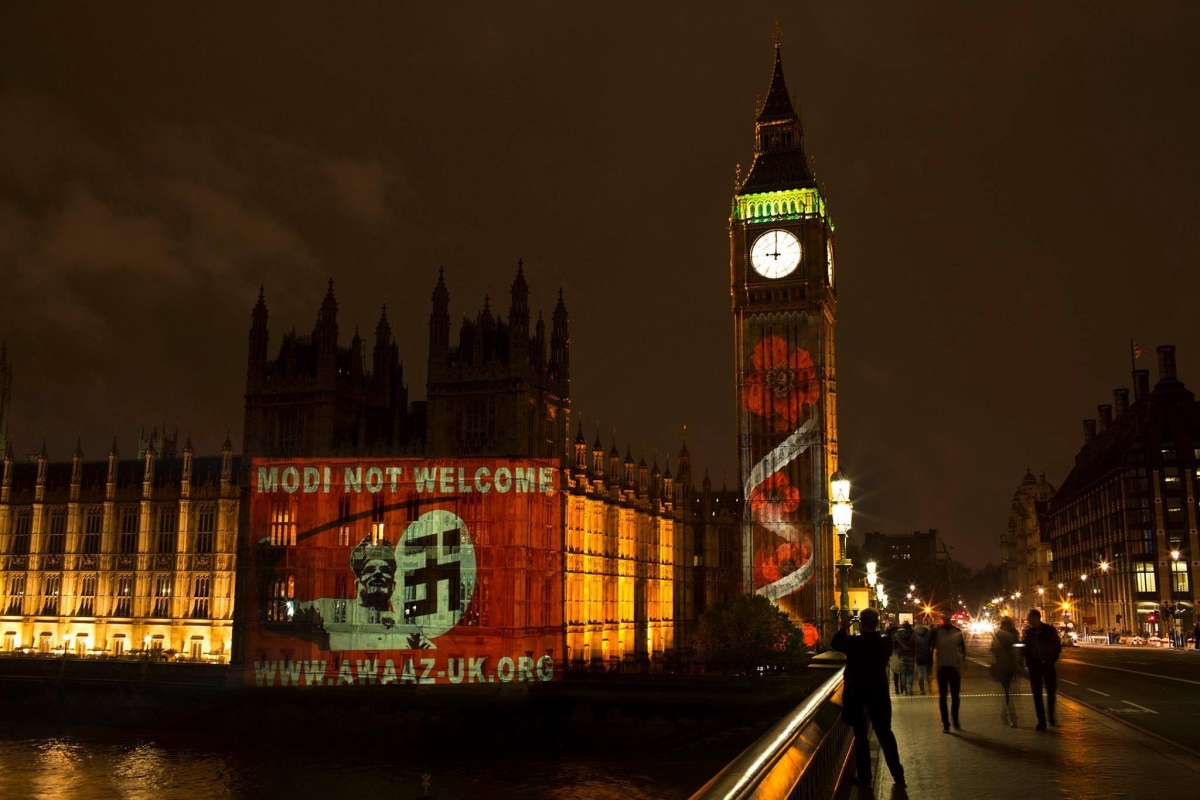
column 829, row 260
column 775, row 254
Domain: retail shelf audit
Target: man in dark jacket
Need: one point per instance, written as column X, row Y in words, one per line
column 950, row 656
column 1042, row 648
column 865, row 694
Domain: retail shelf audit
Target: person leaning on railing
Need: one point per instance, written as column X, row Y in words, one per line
column 865, row 694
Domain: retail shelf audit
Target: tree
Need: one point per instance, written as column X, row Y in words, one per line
column 747, row 633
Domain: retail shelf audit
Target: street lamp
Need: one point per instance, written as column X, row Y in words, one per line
column 872, row 579
column 842, row 510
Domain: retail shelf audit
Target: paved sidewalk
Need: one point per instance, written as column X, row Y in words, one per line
column 1088, row 756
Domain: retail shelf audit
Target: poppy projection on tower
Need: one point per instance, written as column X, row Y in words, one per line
column 782, row 279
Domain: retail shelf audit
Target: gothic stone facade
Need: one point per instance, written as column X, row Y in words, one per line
column 119, row 558
column 500, row 390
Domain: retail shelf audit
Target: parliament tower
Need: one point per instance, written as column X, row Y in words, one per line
column 783, row 284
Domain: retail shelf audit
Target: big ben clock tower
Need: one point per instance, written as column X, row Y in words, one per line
column 783, row 282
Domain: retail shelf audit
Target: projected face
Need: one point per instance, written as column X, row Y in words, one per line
column 374, row 568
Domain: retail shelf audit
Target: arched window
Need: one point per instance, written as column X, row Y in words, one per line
column 283, row 525
column 205, row 529
column 162, row 596
column 51, row 592
column 201, row 589
column 280, row 606
column 56, row 544
column 87, row 596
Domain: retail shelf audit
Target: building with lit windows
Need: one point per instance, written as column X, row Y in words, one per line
column 119, row 558
column 1025, row 547
column 1123, row 524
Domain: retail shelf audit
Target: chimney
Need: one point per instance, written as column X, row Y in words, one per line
column 1166, row 363
column 1089, row 430
column 1106, row 417
column 1121, row 401
column 1141, row 384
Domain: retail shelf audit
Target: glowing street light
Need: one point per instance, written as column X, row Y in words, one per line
column 1104, row 566
column 842, row 511
column 1175, row 554
column 1060, row 586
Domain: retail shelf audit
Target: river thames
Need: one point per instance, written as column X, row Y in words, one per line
column 592, row 742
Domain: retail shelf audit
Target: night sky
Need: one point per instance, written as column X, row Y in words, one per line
column 1014, row 189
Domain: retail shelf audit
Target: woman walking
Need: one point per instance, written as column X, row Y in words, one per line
column 1004, row 665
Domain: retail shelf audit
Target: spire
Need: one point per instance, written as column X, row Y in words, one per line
column 579, row 437
column 779, row 160
column 439, row 326
column 78, row 448
column 226, row 447
column 597, row 444
column 259, row 314
column 329, row 305
column 383, row 331
column 440, row 293
column 778, row 105
column 112, row 451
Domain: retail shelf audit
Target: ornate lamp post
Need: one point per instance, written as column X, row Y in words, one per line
column 842, row 509
column 872, row 579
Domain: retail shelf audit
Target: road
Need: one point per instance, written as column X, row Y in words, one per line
column 1157, row 689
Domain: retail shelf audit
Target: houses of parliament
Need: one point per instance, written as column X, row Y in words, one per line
column 124, row 557
column 144, row 552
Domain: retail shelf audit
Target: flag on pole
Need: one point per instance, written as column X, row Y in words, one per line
column 1139, row 351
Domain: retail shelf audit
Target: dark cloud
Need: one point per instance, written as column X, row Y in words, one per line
column 1014, row 190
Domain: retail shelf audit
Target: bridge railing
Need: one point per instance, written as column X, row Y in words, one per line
column 802, row 757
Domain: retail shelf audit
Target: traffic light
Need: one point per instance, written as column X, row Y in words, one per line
column 1152, row 617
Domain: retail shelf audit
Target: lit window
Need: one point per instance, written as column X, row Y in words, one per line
column 16, row 595
column 343, row 539
column 162, row 596
column 200, row 595
column 124, row 604
column 87, row 596
column 283, row 525
column 51, row 592
column 281, row 606
column 1145, row 578
column 1179, row 576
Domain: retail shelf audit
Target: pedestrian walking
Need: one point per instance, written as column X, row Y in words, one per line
column 924, row 658
column 1196, row 637
column 904, row 644
column 865, row 695
column 950, row 656
column 1042, row 649
column 1004, row 666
